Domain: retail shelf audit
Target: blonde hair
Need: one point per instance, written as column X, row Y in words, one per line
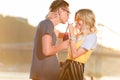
column 88, row 18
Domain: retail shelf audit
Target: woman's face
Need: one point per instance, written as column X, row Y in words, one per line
column 79, row 25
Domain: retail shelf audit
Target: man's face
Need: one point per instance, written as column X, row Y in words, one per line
column 64, row 16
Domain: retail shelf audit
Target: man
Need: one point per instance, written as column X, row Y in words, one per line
column 45, row 65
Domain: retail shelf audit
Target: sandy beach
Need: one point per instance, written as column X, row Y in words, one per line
column 25, row 76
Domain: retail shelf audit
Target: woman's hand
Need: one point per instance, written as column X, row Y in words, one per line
column 51, row 15
column 71, row 29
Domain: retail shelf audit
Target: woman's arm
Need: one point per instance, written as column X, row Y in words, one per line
column 74, row 51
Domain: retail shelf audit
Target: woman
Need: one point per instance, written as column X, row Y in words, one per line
column 83, row 40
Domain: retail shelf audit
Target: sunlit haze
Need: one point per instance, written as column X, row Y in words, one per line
column 107, row 13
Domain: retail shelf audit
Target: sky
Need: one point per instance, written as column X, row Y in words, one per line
column 107, row 13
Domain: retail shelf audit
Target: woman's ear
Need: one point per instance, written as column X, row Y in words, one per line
column 81, row 22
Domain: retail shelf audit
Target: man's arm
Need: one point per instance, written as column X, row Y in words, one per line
column 48, row 49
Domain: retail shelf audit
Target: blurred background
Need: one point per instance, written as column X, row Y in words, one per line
column 18, row 21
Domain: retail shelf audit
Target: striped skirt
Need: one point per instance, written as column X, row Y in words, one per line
column 71, row 70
